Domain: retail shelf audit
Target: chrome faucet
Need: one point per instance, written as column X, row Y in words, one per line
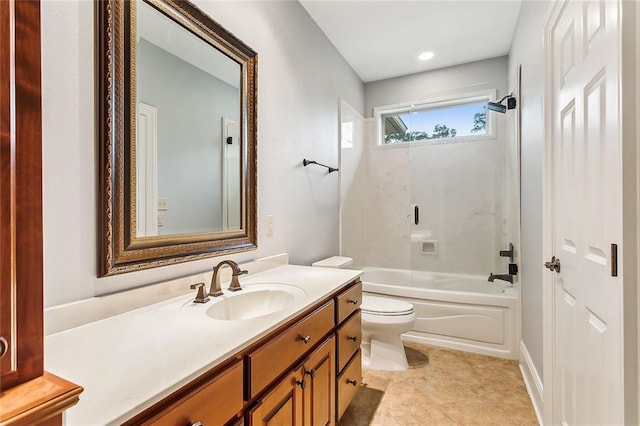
column 215, row 289
column 201, row 297
column 505, row 277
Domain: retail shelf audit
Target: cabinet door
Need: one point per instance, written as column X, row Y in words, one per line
column 20, row 194
column 319, row 389
column 283, row 405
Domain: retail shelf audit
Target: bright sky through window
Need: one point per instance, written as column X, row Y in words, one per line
column 452, row 121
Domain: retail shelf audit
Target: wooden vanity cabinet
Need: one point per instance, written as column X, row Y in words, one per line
column 282, row 405
column 348, row 302
column 348, row 383
column 319, row 389
column 306, row 396
column 213, row 402
column 270, row 360
column 348, row 339
column 304, row 373
column 327, row 378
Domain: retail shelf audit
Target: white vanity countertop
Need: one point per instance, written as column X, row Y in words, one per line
column 128, row 362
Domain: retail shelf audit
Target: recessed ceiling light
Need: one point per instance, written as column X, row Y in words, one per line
column 425, row 56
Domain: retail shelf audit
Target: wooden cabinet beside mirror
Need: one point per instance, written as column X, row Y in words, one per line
column 28, row 394
column 177, row 102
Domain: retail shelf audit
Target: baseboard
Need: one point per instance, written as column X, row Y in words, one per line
column 532, row 381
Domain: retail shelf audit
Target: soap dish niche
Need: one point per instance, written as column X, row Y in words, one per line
column 429, row 247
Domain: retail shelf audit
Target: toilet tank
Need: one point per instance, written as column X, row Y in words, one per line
column 334, row 262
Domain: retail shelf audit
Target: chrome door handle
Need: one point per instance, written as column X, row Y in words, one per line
column 554, row 265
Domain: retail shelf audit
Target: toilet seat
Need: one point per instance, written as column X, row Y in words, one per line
column 383, row 306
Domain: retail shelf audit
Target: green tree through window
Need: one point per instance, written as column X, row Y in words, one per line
column 459, row 118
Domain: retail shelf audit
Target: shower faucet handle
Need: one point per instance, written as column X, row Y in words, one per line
column 507, row 253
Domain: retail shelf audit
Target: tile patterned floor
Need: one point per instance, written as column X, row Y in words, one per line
column 443, row 387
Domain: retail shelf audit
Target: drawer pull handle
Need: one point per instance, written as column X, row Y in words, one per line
column 353, row 301
column 305, row 339
column 311, row 373
column 301, row 383
column 352, row 382
column 352, row 338
column 195, row 424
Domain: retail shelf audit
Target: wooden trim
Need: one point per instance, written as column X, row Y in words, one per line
column 120, row 249
column 21, row 241
column 37, row 400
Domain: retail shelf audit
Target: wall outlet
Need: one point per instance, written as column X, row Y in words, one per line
column 160, row 220
column 162, row 204
column 268, row 225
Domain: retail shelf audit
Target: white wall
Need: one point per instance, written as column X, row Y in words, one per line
column 471, row 77
column 527, row 50
column 189, row 155
column 300, row 80
column 459, row 187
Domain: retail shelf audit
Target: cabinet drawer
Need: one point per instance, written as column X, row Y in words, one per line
column 348, row 383
column 272, row 359
column 348, row 302
column 215, row 402
column 349, row 338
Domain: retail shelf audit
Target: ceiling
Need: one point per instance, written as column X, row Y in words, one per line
column 382, row 39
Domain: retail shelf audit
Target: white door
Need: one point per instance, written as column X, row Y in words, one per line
column 583, row 44
column 146, row 171
column 231, row 178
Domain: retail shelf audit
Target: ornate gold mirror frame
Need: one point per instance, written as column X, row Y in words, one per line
column 120, row 249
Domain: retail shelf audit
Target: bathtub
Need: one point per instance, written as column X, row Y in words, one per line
column 464, row 312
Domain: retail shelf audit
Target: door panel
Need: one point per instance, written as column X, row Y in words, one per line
column 282, row 406
column 587, row 212
column 21, row 269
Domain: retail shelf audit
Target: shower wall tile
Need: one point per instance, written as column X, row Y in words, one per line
column 466, row 200
column 388, row 210
column 460, row 191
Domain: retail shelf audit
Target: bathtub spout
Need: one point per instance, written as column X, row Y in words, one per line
column 505, row 277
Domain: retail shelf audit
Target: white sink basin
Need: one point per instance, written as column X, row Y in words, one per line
column 253, row 301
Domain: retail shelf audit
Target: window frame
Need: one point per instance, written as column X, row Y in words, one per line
column 433, row 103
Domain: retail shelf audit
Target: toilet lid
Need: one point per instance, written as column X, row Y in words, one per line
column 384, row 306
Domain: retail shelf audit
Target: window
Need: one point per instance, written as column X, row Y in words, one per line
column 451, row 120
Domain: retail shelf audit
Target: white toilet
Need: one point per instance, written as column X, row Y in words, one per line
column 383, row 321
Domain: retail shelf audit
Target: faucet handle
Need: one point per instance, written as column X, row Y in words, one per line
column 235, row 283
column 201, row 297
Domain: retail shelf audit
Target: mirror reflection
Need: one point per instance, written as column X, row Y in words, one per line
column 177, row 107
column 188, row 144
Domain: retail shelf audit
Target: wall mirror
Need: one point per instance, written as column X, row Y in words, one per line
column 177, row 130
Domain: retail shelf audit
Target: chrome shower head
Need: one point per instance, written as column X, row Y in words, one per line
column 498, row 107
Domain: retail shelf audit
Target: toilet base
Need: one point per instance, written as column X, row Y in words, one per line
column 384, row 354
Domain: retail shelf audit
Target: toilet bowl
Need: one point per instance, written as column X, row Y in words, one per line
column 383, row 321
